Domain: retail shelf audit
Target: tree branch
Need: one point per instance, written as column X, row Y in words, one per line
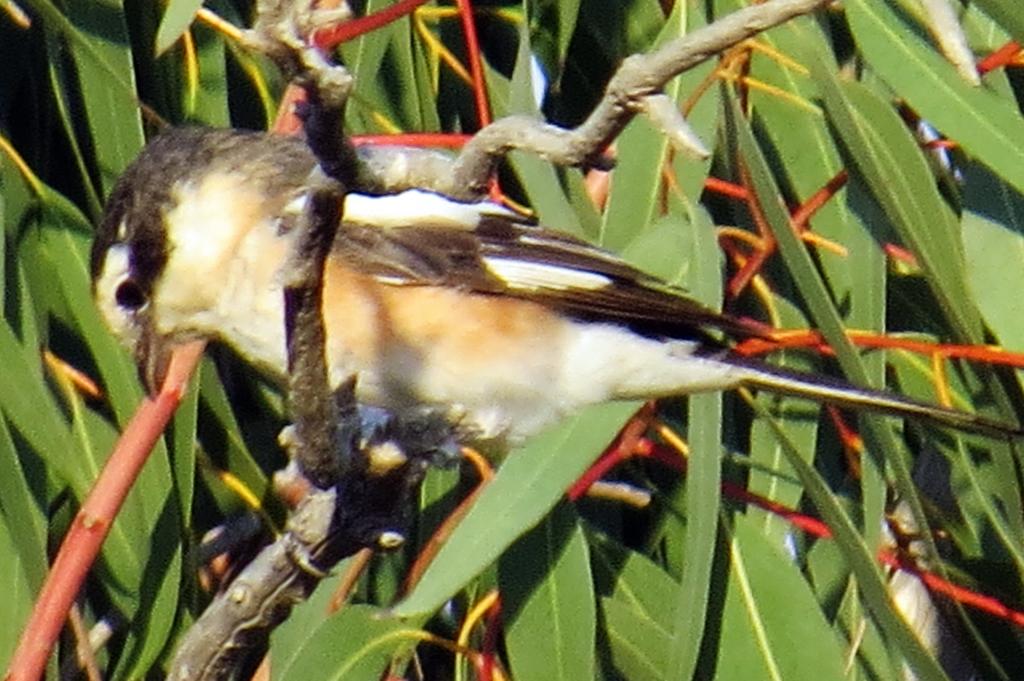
column 640, row 76
column 363, row 463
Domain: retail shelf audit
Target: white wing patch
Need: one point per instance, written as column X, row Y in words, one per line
column 417, row 207
column 522, row 274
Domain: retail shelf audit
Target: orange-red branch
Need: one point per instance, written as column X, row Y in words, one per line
column 936, row 584
column 802, row 215
column 1000, row 58
column 447, row 140
column 92, row 523
column 476, row 69
column 329, row 38
column 630, row 442
column 813, row 340
column 725, row 188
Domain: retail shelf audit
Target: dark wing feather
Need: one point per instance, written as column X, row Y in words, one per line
column 443, row 255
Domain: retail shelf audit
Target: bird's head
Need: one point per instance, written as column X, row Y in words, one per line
column 172, row 227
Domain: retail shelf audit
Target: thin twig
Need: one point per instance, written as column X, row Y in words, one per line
column 638, row 77
column 314, row 411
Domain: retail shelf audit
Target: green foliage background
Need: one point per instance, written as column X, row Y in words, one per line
column 696, row 586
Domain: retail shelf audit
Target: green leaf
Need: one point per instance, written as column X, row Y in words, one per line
column 539, row 177
column 986, row 125
column 635, row 581
column 21, row 510
column 548, row 601
column 1007, row 13
column 19, row 591
column 182, row 438
column 642, row 153
column 703, row 482
column 636, row 184
column 99, row 47
column 178, row 16
column 355, row 645
column 208, row 102
column 525, row 488
column 703, row 494
column 861, row 561
column 223, row 440
column 993, row 237
column 160, row 592
column 290, row 642
column 638, row 649
column 798, row 144
column 554, row 21
column 31, row 410
column 772, row 626
column 893, row 167
column 364, row 57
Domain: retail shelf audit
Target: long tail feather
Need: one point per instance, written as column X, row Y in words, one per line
column 845, row 395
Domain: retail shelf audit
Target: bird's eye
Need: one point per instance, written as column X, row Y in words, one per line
column 129, row 295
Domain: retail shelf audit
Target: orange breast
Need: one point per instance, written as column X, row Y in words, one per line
column 440, row 344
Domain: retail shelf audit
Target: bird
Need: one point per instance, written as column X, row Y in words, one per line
column 470, row 308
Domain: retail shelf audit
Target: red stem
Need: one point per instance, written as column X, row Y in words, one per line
column 85, row 537
column 329, row 38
